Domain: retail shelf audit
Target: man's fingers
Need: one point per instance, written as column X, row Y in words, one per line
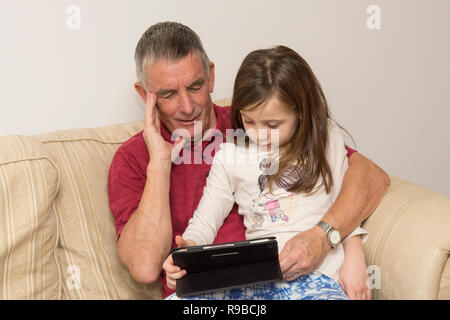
column 150, row 110
column 285, row 259
column 157, row 121
column 285, row 264
column 292, row 274
column 178, row 145
column 289, row 267
column 288, row 264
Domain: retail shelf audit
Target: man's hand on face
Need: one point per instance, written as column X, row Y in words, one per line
column 158, row 148
column 303, row 253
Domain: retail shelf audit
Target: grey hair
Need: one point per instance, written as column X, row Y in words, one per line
column 166, row 40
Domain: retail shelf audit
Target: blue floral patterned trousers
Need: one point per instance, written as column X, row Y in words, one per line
column 314, row 286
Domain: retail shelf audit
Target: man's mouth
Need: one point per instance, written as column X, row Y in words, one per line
column 189, row 122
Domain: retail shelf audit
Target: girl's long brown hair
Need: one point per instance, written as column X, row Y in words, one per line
column 283, row 72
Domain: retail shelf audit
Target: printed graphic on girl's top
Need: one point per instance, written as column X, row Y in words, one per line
column 276, row 207
column 273, row 207
column 258, row 220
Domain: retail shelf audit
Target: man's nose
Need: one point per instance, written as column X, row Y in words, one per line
column 185, row 104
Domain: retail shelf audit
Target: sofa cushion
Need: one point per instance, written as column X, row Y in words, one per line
column 29, row 182
column 444, row 288
column 409, row 242
column 87, row 246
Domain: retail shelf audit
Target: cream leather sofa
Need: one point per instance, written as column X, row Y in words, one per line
column 57, row 237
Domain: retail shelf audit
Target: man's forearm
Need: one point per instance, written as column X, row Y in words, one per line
column 146, row 239
column 362, row 189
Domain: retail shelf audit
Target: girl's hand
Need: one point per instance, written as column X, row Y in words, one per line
column 353, row 274
column 174, row 272
column 184, row 242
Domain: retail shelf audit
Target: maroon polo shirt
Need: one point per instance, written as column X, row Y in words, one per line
column 128, row 175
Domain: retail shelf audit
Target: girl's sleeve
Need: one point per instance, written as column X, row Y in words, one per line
column 338, row 162
column 358, row 232
column 214, row 206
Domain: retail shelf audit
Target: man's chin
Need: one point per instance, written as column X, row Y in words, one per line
column 189, row 133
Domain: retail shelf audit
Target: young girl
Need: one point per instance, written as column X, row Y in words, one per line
column 284, row 178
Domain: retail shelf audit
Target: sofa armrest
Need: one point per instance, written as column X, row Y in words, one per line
column 409, row 243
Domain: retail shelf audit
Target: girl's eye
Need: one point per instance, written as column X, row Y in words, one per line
column 273, row 126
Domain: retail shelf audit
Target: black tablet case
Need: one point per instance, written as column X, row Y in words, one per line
column 225, row 265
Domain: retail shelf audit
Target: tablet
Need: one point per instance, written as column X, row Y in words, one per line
column 227, row 265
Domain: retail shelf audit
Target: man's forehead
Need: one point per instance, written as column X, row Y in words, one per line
column 166, row 73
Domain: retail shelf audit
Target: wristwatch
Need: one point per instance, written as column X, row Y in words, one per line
column 333, row 236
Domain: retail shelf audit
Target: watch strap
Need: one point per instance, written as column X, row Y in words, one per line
column 327, row 228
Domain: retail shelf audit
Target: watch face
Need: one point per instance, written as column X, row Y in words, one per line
column 335, row 237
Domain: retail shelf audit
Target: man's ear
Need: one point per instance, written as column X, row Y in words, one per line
column 141, row 91
column 212, row 77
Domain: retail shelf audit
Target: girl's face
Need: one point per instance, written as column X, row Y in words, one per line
column 269, row 120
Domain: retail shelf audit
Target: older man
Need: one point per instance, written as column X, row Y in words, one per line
column 152, row 199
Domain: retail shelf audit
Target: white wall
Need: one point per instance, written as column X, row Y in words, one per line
column 388, row 87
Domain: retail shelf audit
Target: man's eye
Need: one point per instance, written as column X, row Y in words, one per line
column 194, row 88
column 167, row 96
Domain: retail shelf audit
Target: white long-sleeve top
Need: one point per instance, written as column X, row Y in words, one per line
column 234, row 178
